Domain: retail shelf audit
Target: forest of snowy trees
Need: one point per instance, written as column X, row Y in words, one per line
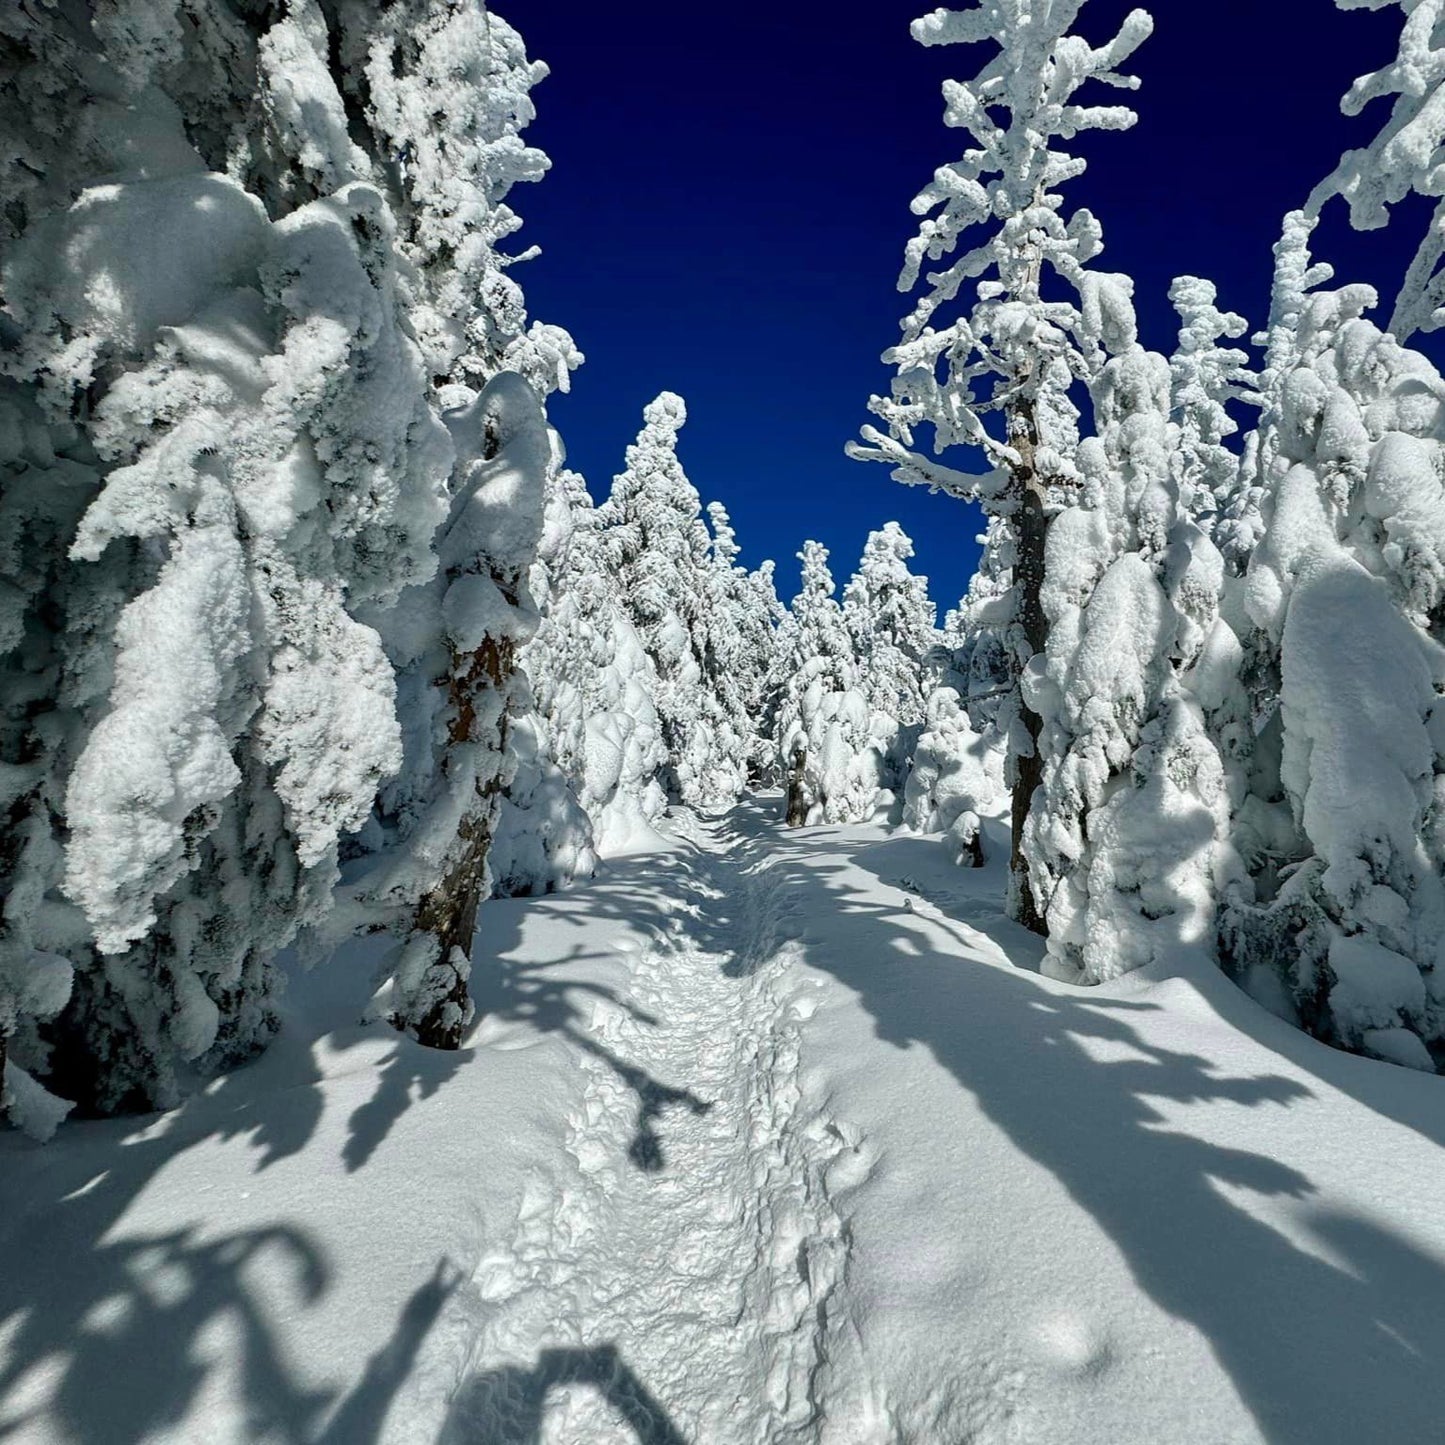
column 1218, row 647
column 307, row 630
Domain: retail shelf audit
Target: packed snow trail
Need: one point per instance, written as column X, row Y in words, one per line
column 766, row 1137
column 696, row 1247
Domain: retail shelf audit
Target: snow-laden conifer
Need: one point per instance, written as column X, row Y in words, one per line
column 660, row 551
column 1219, row 489
column 593, row 680
column 259, row 460
column 544, row 837
column 1128, row 833
column 762, row 620
column 976, row 635
column 722, row 652
column 997, row 376
column 1206, row 378
column 955, row 777
column 474, row 756
column 1405, row 157
column 227, row 471
column 740, row 626
column 825, row 745
column 446, row 88
column 1341, row 826
column 463, row 629
column 891, row 621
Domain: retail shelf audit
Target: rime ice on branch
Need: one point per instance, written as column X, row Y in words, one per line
column 231, row 284
column 1404, row 158
column 996, row 377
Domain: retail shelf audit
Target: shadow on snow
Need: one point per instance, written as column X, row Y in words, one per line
column 110, row 1337
column 1319, row 1351
column 118, row 1323
column 508, row 1406
column 128, row 1326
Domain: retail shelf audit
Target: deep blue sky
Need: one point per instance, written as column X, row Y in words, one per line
column 728, row 206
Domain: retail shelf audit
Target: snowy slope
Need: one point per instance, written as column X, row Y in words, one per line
column 769, row 1136
column 1144, row 1212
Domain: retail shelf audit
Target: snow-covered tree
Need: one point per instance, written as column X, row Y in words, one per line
column 740, row 623
column 770, row 769
column 762, row 618
column 260, row 457
column 957, row 776
column 593, row 680
column 660, row 551
column 1206, row 377
column 1219, row 490
column 1041, row 318
column 1405, row 157
column 956, row 773
column 891, row 621
column 446, row 87
column 825, row 746
column 1128, row 833
column 226, row 471
column 431, row 869
column 977, row 660
column 1341, row 828
column 722, row 651
column 544, row 839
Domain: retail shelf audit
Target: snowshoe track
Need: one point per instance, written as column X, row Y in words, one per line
column 678, row 1282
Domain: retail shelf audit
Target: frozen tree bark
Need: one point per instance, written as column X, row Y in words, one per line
column 448, row 912
column 797, row 805
column 1031, row 524
column 482, row 612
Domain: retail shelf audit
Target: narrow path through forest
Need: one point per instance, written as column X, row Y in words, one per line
column 767, row 1137
column 694, row 1245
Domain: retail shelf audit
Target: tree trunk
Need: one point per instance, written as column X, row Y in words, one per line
column 1031, row 525
column 797, row 813
column 448, row 912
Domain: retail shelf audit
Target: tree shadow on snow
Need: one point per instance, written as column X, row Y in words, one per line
column 665, row 894
column 508, row 1406
column 409, row 1073
column 112, row 1335
column 974, row 897
column 112, row 1332
column 1337, row 1343
column 529, row 992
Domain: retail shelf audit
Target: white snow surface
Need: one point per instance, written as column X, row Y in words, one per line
column 765, row 1135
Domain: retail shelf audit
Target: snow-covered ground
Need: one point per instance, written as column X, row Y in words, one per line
column 767, row 1136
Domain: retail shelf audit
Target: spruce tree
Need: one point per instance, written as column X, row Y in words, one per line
column 1206, row 378
column 891, row 621
column 825, row 747
column 762, row 617
column 660, row 551
column 1340, row 827
column 1128, row 834
column 594, row 682
column 253, row 460
column 1024, row 338
column 226, row 468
